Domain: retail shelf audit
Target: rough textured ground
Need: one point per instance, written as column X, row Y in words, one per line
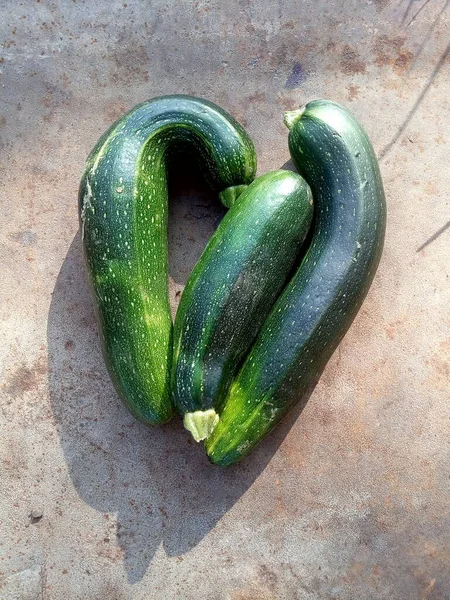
column 349, row 501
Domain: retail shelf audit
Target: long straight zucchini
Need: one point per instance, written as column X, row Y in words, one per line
column 231, row 290
column 123, row 219
column 334, row 155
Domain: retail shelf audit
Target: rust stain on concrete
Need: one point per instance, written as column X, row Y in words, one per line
column 351, row 62
column 25, row 379
column 392, row 51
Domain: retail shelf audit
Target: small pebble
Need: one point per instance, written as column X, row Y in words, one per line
column 36, row 515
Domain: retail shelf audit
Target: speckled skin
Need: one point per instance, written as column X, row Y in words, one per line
column 234, row 285
column 333, row 153
column 123, row 217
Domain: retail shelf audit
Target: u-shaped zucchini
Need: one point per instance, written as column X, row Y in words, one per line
column 123, row 220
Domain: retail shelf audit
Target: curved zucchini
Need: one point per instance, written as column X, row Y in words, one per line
column 231, row 290
column 123, row 218
column 334, row 154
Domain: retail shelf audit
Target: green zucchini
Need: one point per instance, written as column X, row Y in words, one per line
column 123, row 220
column 231, row 290
column 334, row 155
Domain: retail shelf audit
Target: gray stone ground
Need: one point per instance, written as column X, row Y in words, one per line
column 349, row 501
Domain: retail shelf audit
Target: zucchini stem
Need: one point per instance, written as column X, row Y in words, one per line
column 201, row 423
column 292, row 116
column 230, row 194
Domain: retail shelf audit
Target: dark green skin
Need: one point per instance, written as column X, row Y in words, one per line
column 234, row 285
column 123, row 217
column 334, row 155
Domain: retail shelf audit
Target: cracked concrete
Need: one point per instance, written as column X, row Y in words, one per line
column 350, row 500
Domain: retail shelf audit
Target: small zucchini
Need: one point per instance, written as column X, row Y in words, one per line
column 231, row 290
column 123, row 219
column 333, row 153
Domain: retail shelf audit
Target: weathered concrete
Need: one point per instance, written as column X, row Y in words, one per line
column 351, row 500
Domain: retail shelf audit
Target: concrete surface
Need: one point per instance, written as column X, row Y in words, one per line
column 349, row 501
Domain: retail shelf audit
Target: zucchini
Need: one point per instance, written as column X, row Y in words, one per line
column 333, row 153
column 231, row 290
column 123, row 219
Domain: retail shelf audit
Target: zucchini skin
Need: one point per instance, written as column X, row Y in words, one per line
column 233, row 286
column 333, row 153
column 123, row 218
